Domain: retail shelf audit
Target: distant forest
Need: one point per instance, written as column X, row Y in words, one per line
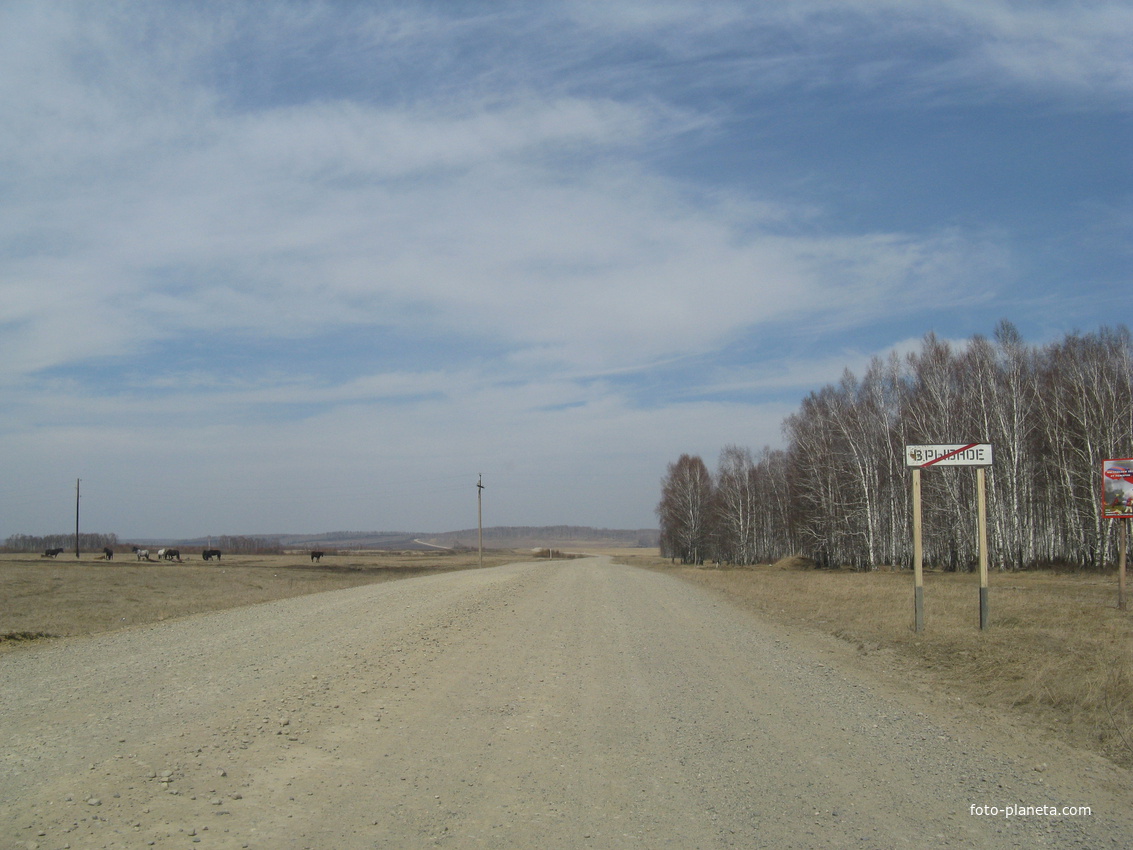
column 840, row 493
column 274, row 544
column 524, row 534
column 88, row 542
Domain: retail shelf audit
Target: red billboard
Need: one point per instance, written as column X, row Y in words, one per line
column 1117, row 488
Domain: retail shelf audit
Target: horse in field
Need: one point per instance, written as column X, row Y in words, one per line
column 317, row 556
column 143, row 554
column 52, row 553
column 169, row 554
column 209, row 554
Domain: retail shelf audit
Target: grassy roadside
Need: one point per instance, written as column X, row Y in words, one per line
column 44, row 598
column 1057, row 650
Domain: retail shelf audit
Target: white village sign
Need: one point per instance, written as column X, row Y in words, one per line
column 970, row 454
column 951, row 454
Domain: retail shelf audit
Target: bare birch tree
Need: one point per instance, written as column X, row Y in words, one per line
column 735, row 507
column 685, row 510
column 839, row 491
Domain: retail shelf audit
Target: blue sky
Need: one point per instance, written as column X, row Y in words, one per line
column 316, row 266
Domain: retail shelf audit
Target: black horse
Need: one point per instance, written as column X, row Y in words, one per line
column 209, row 554
column 317, row 556
column 52, row 553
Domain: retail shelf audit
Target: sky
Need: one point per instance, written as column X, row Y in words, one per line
column 314, row 266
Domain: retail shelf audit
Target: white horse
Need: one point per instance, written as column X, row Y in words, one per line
column 143, row 554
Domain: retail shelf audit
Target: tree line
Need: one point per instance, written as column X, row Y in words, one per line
column 839, row 492
column 241, row 545
column 88, row 542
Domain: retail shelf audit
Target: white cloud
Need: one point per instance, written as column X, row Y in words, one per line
column 291, row 221
column 366, row 466
column 177, row 182
column 1086, row 47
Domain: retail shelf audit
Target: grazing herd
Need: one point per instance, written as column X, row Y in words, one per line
column 162, row 554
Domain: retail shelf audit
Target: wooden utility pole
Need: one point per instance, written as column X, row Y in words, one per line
column 981, row 507
column 480, row 514
column 77, row 480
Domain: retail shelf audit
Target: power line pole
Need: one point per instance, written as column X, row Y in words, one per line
column 77, row 480
column 480, row 514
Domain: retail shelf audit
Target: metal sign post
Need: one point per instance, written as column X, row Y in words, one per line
column 955, row 454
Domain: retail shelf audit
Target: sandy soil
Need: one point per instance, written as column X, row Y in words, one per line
column 554, row 705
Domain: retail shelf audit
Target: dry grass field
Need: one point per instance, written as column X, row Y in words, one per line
column 64, row 596
column 1057, row 650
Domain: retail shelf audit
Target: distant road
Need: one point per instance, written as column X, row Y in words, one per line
column 564, row 704
column 434, row 545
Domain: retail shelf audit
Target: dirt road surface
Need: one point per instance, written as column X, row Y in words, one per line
column 569, row 704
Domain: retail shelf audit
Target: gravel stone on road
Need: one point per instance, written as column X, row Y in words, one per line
column 562, row 704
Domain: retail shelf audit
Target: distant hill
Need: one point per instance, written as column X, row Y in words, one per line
column 353, row 540
column 556, row 536
column 497, row 537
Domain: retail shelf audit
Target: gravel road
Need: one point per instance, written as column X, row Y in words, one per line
column 568, row 704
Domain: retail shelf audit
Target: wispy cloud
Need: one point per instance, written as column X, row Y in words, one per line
column 886, row 45
column 231, row 233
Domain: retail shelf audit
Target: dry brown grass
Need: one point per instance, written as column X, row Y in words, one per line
column 41, row 597
column 1057, row 650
